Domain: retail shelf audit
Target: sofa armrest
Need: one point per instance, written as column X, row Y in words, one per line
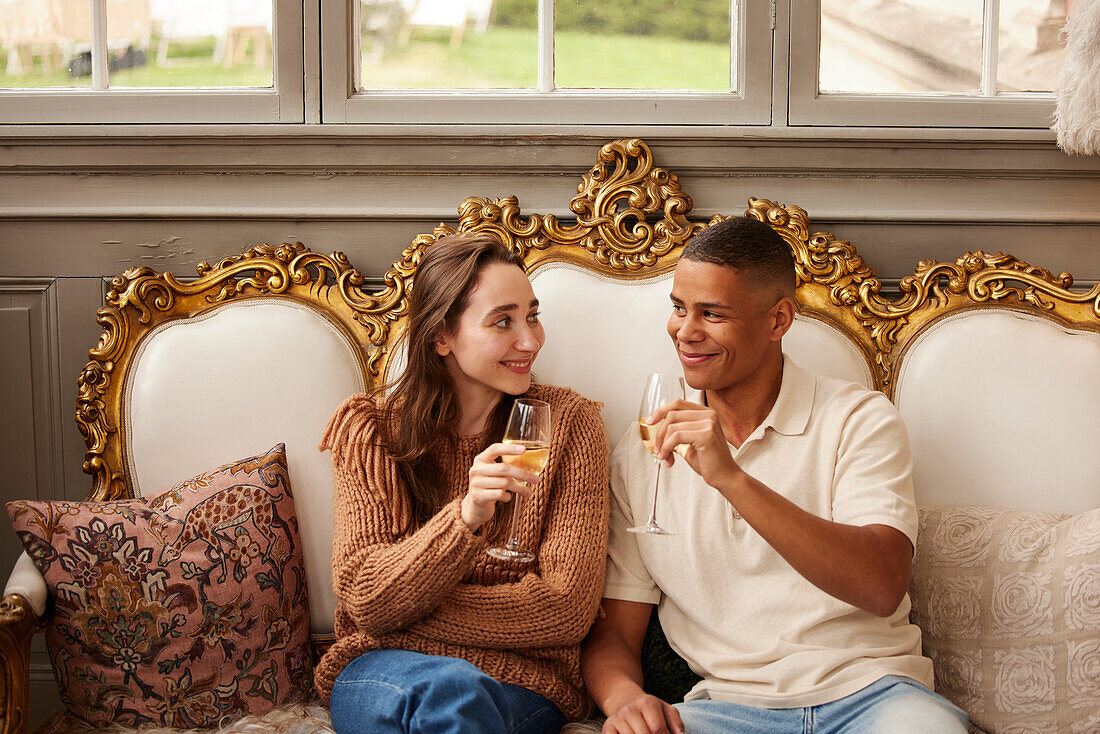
column 27, row 582
column 21, row 612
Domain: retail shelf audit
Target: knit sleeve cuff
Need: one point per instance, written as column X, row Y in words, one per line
column 466, row 539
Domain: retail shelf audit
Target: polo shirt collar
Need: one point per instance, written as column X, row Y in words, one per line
column 790, row 415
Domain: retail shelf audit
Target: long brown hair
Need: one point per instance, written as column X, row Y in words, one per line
column 421, row 406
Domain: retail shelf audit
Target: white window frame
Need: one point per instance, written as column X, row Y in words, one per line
column 807, row 106
column 750, row 105
column 283, row 102
column 315, row 80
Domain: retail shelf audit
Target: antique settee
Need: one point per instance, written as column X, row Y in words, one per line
column 993, row 362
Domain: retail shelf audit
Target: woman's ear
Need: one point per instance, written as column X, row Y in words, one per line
column 442, row 346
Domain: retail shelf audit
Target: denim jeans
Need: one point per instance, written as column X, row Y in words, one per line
column 395, row 691
column 891, row 705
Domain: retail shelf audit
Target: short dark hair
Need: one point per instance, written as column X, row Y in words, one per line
column 747, row 245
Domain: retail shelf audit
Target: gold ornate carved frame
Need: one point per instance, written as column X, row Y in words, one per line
column 631, row 222
column 978, row 280
column 141, row 299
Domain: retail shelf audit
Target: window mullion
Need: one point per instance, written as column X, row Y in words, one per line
column 991, row 31
column 546, row 46
column 99, row 44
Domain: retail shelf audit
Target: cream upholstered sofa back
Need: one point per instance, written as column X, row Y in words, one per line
column 207, row 390
column 1003, row 409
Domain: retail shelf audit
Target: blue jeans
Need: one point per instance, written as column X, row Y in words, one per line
column 891, row 705
column 401, row 691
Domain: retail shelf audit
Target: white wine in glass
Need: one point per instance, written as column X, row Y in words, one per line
column 528, row 426
column 659, row 390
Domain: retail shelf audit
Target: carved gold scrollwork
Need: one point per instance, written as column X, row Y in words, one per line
column 832, row 274
column 629, row 213
column 615, row 200
column 17, row 625
column 502, row 217
column 13, row 609
column 377, row 311
column 631, row 220
column 978, row 279
column 820, row 257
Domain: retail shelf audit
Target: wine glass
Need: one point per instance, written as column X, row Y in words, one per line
column 659, row 390
column 528, row 426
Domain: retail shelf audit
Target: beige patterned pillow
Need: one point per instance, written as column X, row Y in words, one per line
column 1009, row 605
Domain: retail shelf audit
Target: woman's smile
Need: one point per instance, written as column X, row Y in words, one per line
column 519, row 366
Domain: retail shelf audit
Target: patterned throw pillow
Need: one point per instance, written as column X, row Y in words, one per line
column 1009, row 606
column 180, row 610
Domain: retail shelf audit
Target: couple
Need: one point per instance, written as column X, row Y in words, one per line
column 785, row 586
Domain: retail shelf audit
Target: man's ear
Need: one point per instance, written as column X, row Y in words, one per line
column 782, row 317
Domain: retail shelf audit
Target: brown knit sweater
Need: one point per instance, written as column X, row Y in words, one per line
column 435, row 590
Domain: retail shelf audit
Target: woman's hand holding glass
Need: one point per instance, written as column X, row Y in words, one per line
column 493, row 481
column 528, row 427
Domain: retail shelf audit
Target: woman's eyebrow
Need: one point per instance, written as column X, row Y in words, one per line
column 502, row 309
column 507, row 307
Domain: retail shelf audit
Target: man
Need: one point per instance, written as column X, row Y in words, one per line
column 791, row 503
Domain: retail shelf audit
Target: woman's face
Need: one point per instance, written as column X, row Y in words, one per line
column 497, row 337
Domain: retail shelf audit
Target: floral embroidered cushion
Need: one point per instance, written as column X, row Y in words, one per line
column 184, row 609
column 1009, row 606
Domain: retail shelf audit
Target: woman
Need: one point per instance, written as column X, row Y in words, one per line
column 433, row 634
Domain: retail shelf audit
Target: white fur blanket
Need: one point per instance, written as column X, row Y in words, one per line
column 1077, row 115
column 299, row 719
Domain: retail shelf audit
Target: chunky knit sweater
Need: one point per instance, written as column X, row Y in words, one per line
column 434, row 589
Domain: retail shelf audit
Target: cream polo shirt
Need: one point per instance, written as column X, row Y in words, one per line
column 755, row 629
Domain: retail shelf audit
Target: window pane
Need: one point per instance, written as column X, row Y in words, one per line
column 448, row 44
column 1031, row 46
column 45, row 44
column 200, row 43
column 632, row 44
column 900, row 46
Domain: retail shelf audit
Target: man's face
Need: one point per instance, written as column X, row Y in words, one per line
column 722, row 328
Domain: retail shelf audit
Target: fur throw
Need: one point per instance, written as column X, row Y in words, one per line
column 1077, row 115
column 311, row 718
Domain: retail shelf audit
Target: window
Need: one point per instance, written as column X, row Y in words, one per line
column 150, row 61
column 712, row 63
column 537, row 61
column 925, row 62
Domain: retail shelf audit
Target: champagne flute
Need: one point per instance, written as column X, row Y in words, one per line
column 659, row 390
column 529, row 427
